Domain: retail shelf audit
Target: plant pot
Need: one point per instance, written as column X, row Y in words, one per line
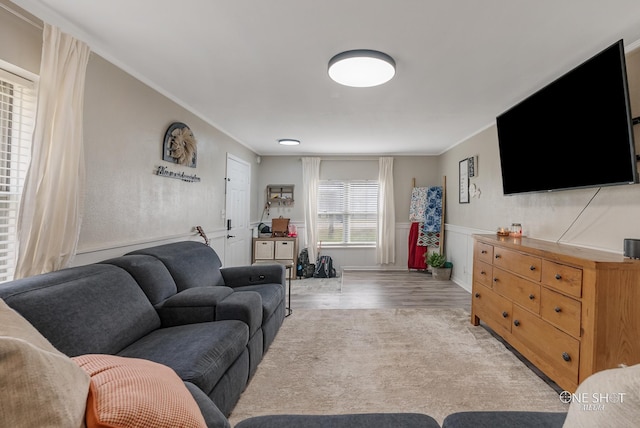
column 441, row 273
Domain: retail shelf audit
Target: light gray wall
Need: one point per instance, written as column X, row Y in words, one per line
column 126, row 202
column 126, row 205
column 20, row 41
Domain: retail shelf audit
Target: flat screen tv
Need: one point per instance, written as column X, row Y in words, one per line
column 575, row 132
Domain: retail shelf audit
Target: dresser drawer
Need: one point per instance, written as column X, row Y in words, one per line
column 556, row 350
column 521, row 291
column 561, row 311
column 483, row 252
column 482, row 273
column 564, row 278
column 493, row 309
column 522, row 264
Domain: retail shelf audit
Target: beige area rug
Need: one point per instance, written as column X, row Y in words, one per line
column 429, row 361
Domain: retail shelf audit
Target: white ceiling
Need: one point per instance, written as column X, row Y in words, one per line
column 257, row 69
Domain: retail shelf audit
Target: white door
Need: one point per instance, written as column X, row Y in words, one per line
column 238, row 242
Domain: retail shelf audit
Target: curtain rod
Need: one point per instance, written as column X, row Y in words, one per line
column 21, row 16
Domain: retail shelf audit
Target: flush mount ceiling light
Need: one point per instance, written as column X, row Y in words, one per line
column 288, row 142
column 362, row 68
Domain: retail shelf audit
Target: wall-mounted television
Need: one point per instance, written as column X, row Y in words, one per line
column 575, row 132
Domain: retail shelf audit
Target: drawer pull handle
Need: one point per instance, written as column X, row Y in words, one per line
column 558, row 276
column 505, row 314
column 531, row 297
column 497, row 256
column 532, row 267
column 477, row 295
column 483, row 252
column 516, row 323
column 482, row 272
column 566, row 356
column 557, row 309
column 495, row 279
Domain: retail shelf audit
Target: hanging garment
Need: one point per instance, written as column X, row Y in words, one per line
column 416, row 252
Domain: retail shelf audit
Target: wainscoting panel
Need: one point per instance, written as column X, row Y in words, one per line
column 94, row 255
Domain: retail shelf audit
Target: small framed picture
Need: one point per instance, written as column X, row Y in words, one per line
column 463, row 177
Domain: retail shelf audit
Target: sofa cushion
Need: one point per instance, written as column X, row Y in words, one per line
column 199, row 353
column 101, row 307
column 150, row 274
column 191, row 264
column 40, row 386
column 608, row 398
column 131, row 392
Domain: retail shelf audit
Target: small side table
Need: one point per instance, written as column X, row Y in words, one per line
column 289, row 265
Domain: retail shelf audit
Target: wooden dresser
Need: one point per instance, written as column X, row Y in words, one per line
column 570, row 311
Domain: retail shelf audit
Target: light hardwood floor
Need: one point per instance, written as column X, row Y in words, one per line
column 378, row 289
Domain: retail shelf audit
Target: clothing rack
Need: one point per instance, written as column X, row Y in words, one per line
column 418, row 244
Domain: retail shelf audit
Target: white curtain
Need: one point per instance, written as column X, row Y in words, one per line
column 53, row 196
column 386, row 248
column 310, row 178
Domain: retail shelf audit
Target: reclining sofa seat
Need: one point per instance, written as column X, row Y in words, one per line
column 197, row 304
column 193, row 264
column 100, row 309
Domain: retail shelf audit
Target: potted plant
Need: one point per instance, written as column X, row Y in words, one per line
column 440, row 267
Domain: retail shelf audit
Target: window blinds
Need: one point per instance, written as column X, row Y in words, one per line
column 347, row 212
column 17, row 110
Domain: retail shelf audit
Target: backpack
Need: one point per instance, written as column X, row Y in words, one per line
column 304, row 268
column 324, row 268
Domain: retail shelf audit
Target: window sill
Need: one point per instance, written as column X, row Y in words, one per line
column 347, row 246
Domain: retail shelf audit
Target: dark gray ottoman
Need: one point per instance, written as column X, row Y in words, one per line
column 504, row 420
column 363, row 420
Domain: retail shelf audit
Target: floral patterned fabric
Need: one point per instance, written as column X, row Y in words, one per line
column 426, row 210
column 433, row 210
column 418, row 204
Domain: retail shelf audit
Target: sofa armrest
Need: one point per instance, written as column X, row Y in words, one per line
column 245, row 306
column 213, row 417
column 193, row 305
column 241, row 276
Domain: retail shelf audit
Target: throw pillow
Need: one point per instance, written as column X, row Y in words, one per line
column 41, row 387
column 610, row 398
column 132, row 392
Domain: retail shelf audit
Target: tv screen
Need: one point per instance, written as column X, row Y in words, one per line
column 575, row 132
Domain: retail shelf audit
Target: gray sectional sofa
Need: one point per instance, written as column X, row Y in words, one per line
column 172, row 304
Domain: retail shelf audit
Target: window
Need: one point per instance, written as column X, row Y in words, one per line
column 348, row 212
column 17, row 111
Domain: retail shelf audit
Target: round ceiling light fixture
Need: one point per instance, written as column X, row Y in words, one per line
column 288, row 142
column 362, row 68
